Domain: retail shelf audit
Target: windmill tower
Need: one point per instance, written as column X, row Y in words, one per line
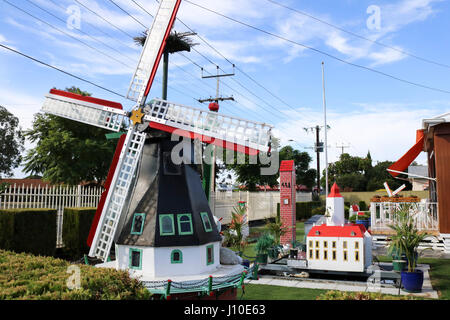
column 153, row 209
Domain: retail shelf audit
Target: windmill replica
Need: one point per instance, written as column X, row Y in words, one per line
column 154, row 210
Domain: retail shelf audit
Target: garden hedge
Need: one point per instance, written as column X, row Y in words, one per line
column 76, row 226
column 28, row 230
column 27, row 277
column 303, row 210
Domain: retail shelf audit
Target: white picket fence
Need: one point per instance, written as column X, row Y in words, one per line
column 52, row 197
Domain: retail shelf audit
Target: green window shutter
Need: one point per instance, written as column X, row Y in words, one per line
column 185, row 224
column 166, row 225
column 176, row 256
column 206, row 222
column 135, row 260
column 138, row 223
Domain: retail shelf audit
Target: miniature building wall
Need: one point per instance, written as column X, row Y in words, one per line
column 287, row 201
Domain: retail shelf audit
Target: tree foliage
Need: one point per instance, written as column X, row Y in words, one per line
column 11, row 142
column 358, row 174
column 67, row 151
column 250, row 175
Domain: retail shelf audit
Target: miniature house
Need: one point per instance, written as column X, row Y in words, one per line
column 336, row 246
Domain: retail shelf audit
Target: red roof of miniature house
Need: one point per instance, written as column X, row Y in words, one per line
column 347, row 231
column 334, row 192
column 287, row 165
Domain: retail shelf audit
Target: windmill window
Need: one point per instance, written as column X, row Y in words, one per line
column 166, row 225
column 206, row 222
column 136, row 259
column 176, row 256
column 209, row 254
column 185, row 224
column 138, row 223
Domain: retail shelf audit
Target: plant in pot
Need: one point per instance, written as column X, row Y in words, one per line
column 277, row 230
column 265, row 242
column 405, row 241
column 235, row 235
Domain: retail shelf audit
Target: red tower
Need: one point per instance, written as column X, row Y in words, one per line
column 287, row 201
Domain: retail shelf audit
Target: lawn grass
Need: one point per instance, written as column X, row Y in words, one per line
column 268, row 292
column 439, row 273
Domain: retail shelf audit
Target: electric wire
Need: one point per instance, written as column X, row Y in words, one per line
column 61, row 70
column 321, row 51
column 126, row 12
column 360, row 36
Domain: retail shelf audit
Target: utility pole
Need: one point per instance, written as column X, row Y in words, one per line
column 214, row 107
column 342, row 147
column 318, row 148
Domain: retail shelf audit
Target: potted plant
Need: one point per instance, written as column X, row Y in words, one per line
column 235, row 235
column 363, row 218
column 406, row 240
column 265, row 242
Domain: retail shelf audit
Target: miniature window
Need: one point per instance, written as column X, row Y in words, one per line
column 136, row 259
column 345, row 256
column 325, row 244
column 356, row 245
column 356, row 255
column 317, row 254
column 176, row 256
column 325, row 255
column 344, row 245
column 311, row 254
column 334, row 244
column 310, row 243
column 209, row 254
column 166, row 225
column 206, row 221
column 185, row 224
column 138, row 223
column 317, row 244
column 334, row 255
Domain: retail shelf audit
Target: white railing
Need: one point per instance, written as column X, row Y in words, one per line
column 425, row 215
column 52, row 197
column 261, row 205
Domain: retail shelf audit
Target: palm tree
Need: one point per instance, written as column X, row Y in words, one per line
column 176, row 42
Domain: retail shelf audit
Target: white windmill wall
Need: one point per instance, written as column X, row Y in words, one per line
column 156, row 262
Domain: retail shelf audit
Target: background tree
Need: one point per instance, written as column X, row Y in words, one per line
column 11, row 142
column 250, row 174
column 379, row 175
column 67, row 151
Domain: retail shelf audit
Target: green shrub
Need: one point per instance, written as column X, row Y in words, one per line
column 362, row 206
column 344, row 295
column 27, row 277
column 28, row 230
column 304, row 210
column 76, row 226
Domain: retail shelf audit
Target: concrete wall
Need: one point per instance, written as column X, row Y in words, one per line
column 261, row 205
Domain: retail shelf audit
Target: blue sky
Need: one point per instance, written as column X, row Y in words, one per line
column 366, row 111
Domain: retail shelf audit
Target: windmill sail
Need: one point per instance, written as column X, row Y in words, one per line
column 245, row 136
column 119, row 191
column 97, row 112
column 153, row 50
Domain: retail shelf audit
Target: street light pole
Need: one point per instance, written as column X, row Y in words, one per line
column 326, row 129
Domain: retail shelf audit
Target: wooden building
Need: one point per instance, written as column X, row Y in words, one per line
column 434, row 139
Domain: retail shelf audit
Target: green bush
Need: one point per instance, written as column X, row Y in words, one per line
column 362, row 206
column 344, row 295
column 304, row 210
column 28, row 230
column 76, row 226
column 27, row 277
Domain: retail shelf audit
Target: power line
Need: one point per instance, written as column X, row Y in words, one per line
column 60, row 70
column 67, row 34
column 81, row 31
column 111, row 24
column 130, row 15
column 360, row 36
column 320, row 51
